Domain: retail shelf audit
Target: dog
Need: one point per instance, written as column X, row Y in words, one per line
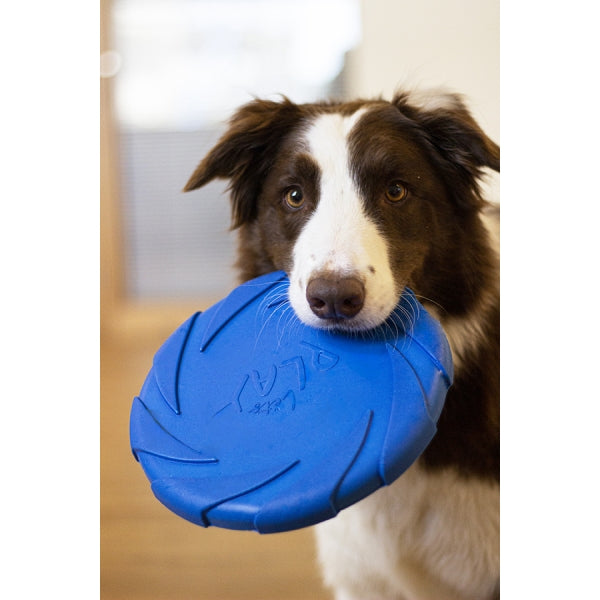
column 356, row 201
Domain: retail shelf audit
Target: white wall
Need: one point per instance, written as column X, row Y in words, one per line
column 453, row 43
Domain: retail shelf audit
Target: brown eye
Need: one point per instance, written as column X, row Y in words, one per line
column 396, row 192
column 294, row 198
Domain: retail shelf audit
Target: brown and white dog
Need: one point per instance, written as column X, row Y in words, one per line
column 355, row 201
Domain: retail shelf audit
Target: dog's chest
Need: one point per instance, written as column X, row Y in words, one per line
column 428, row 535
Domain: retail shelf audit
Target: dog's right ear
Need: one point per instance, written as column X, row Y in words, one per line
column 244, row 153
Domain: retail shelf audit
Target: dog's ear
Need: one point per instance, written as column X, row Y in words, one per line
column 244, row 152
column 463, row 146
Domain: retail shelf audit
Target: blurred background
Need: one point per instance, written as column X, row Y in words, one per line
column 172, row 71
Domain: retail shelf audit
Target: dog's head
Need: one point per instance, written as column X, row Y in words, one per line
column 355, row 201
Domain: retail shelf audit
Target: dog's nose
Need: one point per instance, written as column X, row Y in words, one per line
column 332, row 298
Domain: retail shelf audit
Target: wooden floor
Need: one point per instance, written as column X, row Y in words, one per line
column 148, row 553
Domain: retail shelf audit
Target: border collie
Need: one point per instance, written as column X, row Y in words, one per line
column 355, row 201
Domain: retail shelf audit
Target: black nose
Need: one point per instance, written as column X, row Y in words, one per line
column 333, row 298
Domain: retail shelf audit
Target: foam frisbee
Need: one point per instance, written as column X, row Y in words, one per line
column 251, row 420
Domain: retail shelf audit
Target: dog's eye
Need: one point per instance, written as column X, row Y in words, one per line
column 294, row 198
column 396, row 192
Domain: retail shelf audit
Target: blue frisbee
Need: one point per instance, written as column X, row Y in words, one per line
column 250, row 419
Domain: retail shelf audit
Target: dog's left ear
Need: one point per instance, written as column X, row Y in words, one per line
column 243, row 153
column 454, row 134
column 451, row 128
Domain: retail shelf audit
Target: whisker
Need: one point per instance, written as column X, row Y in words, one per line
column 407, row 313
column 286, row 323
column 275, row 296
column 276, row 300
column 420, row 297
column 393, row 327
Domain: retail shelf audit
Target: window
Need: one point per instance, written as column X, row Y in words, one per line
column 180, row 68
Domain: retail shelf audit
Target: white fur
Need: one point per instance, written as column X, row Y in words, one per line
column 433, row 99
column 425, row 537
column 339, row 237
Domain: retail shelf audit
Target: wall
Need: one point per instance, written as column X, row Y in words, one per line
column 431, row 43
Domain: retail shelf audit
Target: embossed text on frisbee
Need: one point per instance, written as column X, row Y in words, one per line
column 275, row 389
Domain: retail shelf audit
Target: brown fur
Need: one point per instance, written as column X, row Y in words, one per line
column 439, row 245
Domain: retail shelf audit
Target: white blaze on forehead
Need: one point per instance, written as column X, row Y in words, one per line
column 328, row 143
column 339, row 237
column 339, row 223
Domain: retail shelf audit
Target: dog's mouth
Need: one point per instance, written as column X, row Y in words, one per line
column 353, row 326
